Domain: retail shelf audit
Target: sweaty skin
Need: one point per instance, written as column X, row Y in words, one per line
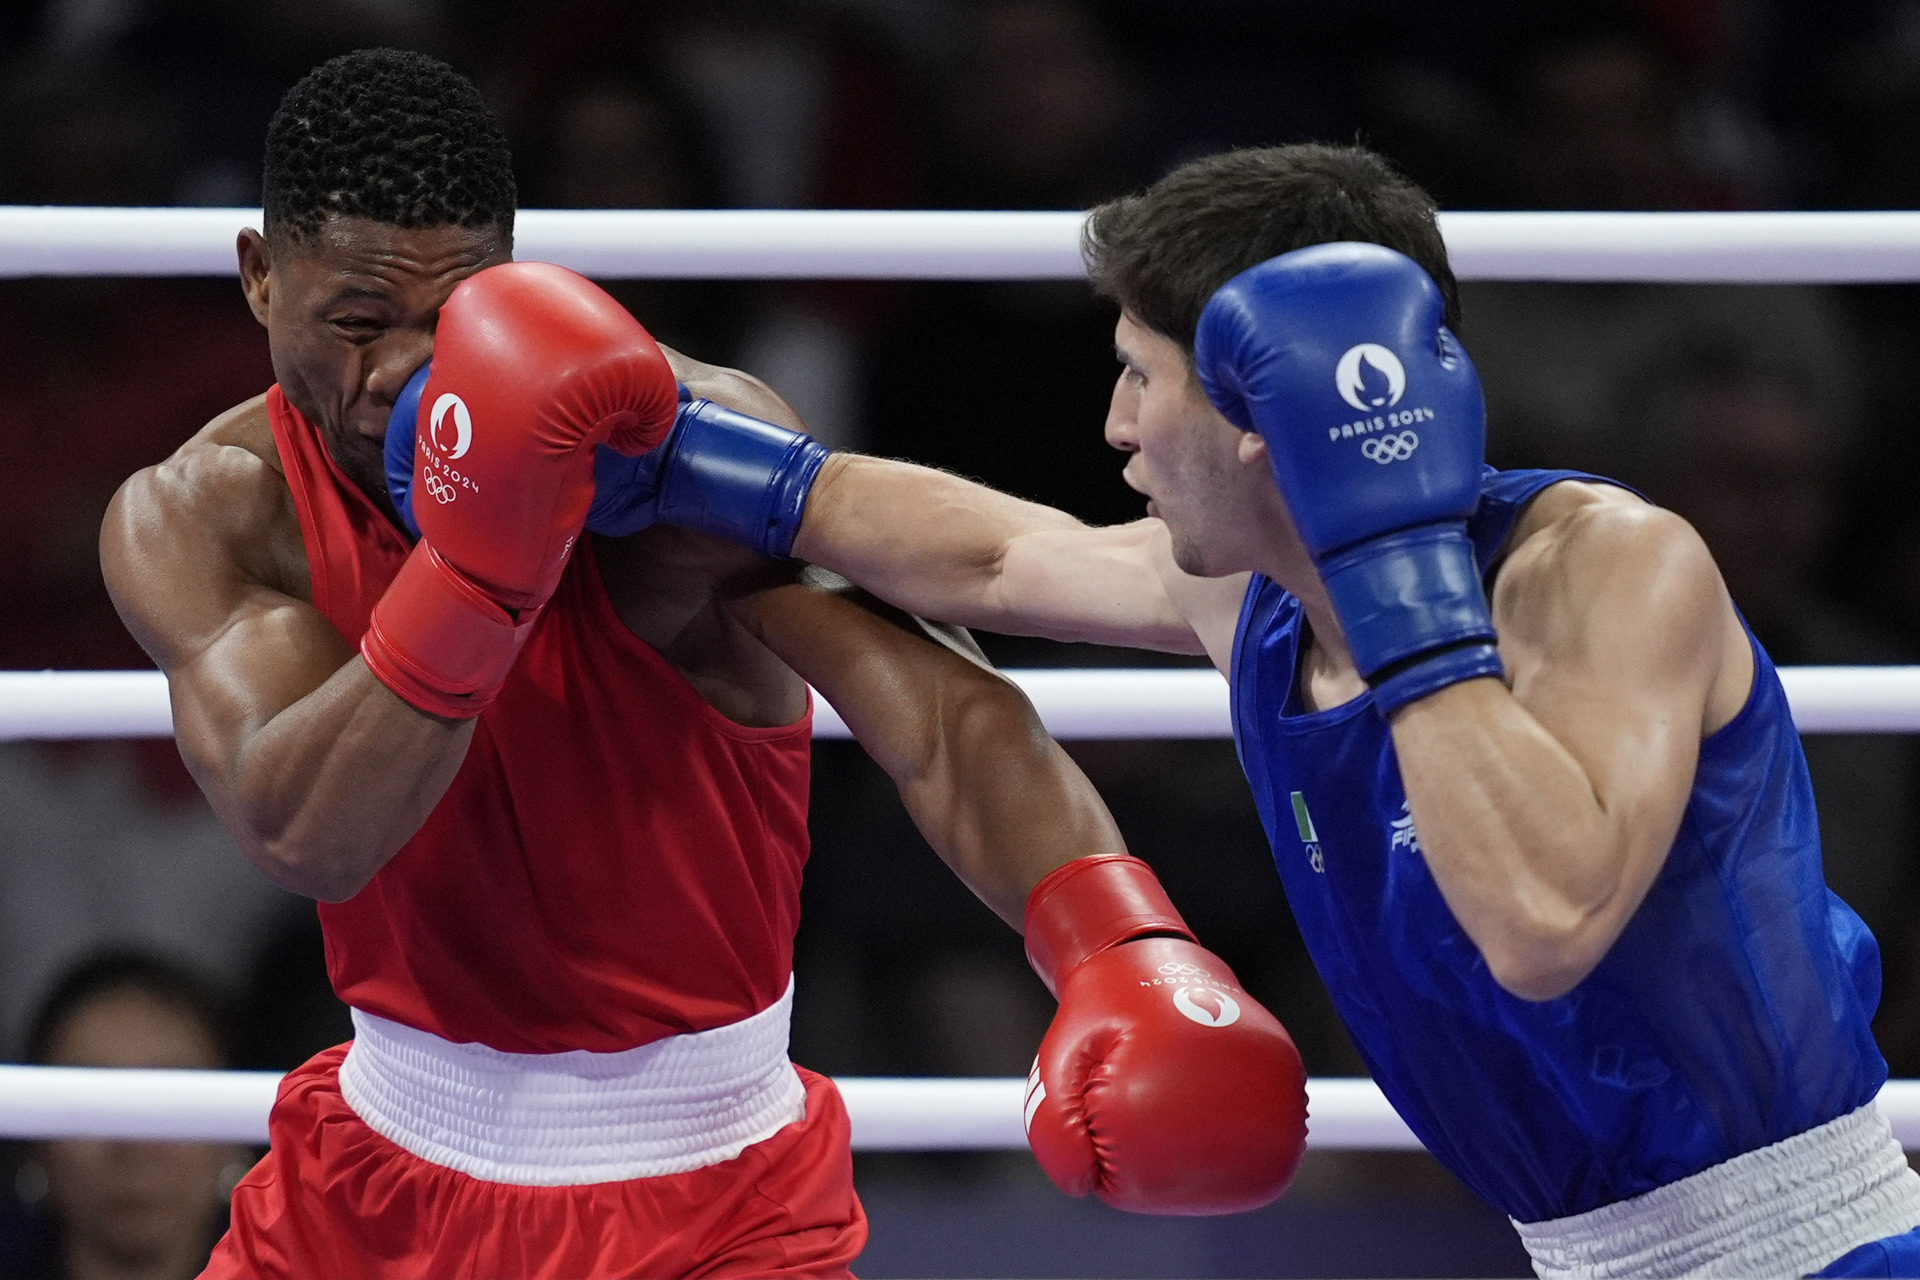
column 322, row 773
column 1546, row 806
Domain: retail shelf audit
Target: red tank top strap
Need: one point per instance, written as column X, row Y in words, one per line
column 353, row 550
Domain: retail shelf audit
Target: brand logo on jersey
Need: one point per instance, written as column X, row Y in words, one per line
column 1351, row 379
column 1308, row 836
column 1193, row 1002
column 450, row 409
column 1404, row 836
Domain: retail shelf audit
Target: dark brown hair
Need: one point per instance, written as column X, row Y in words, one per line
column 1162, row 254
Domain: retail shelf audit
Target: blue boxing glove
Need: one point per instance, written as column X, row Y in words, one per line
column 403, row 428
column 1372, row 416
column 718, row 471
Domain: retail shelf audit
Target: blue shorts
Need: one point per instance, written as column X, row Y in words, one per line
column 1895, row 1256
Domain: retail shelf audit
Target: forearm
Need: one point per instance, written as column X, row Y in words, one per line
column 325, row 792
column 923, row 540
column 996, row 797
column 1002, row 803
column 1528, row 856
column 931, row 543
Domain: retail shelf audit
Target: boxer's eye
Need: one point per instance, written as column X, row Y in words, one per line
column 357, row 327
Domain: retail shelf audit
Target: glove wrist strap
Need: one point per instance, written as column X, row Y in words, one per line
column 738, row 478
column 1414, row 612
column 438, row 641
column 1430, row 673
column 1091, row 904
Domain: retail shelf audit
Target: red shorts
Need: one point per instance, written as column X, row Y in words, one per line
column 334, row 1199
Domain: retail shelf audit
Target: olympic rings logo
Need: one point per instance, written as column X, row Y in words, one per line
column 439, row 489
column 1385, row 449
column 1173, row 970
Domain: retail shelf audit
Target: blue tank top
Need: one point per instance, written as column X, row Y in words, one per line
column 1731, row 1013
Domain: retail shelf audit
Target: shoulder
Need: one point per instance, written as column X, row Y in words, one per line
column 1600, row 584
column 223, row 488
column 741, row 392
column 1596, row 529
column 226, row 476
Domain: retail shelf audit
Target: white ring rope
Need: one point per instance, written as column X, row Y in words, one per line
column 1093, row 703
column 887, row 1114
column 1759, row 248
column 896, row 1114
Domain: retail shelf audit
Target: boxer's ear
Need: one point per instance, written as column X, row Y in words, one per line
column 256, row 271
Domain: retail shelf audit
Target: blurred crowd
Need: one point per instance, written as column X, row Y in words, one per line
column 1774, row 418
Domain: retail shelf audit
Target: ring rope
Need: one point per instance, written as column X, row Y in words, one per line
column 1074, row 704
column 888, row 1114
column 1755, row 248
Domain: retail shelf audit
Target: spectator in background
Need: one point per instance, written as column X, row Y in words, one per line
column 128, row 1210
column 998, row 380
column 99, row 377
column 1592, row 115
column 733, row 103
column 807, row 112
column 118, row 370
column 1593, row 97
column 1035, row 108
column 1751, row 446
column 620, row 140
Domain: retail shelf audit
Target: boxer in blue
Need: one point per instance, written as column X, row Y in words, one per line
column 1531, row 785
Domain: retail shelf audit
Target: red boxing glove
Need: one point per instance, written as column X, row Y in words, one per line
column 1161, row 1086
column 534, row 367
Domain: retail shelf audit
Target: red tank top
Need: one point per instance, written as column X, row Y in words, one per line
column 615, row 861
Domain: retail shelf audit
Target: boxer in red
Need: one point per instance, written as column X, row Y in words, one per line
column 550, row 790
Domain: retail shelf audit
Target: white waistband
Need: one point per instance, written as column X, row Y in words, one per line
column 566, row 1119
column 1788, row 1209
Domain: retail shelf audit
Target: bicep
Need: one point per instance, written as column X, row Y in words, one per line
column 1616, row 656
column 273, row 652
column 235, row 652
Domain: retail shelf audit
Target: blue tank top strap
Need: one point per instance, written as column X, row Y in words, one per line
column 1733, row 1012
column 1504, row 495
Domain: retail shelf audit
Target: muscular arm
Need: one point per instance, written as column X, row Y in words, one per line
column 1545, row 813
column 994, row 795
column 946, row 547
column 949, row 548
column 320, row 772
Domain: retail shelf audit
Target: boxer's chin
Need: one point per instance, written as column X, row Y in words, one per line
column 1191, row 555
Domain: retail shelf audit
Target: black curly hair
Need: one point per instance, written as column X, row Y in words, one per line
column 395, row 137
